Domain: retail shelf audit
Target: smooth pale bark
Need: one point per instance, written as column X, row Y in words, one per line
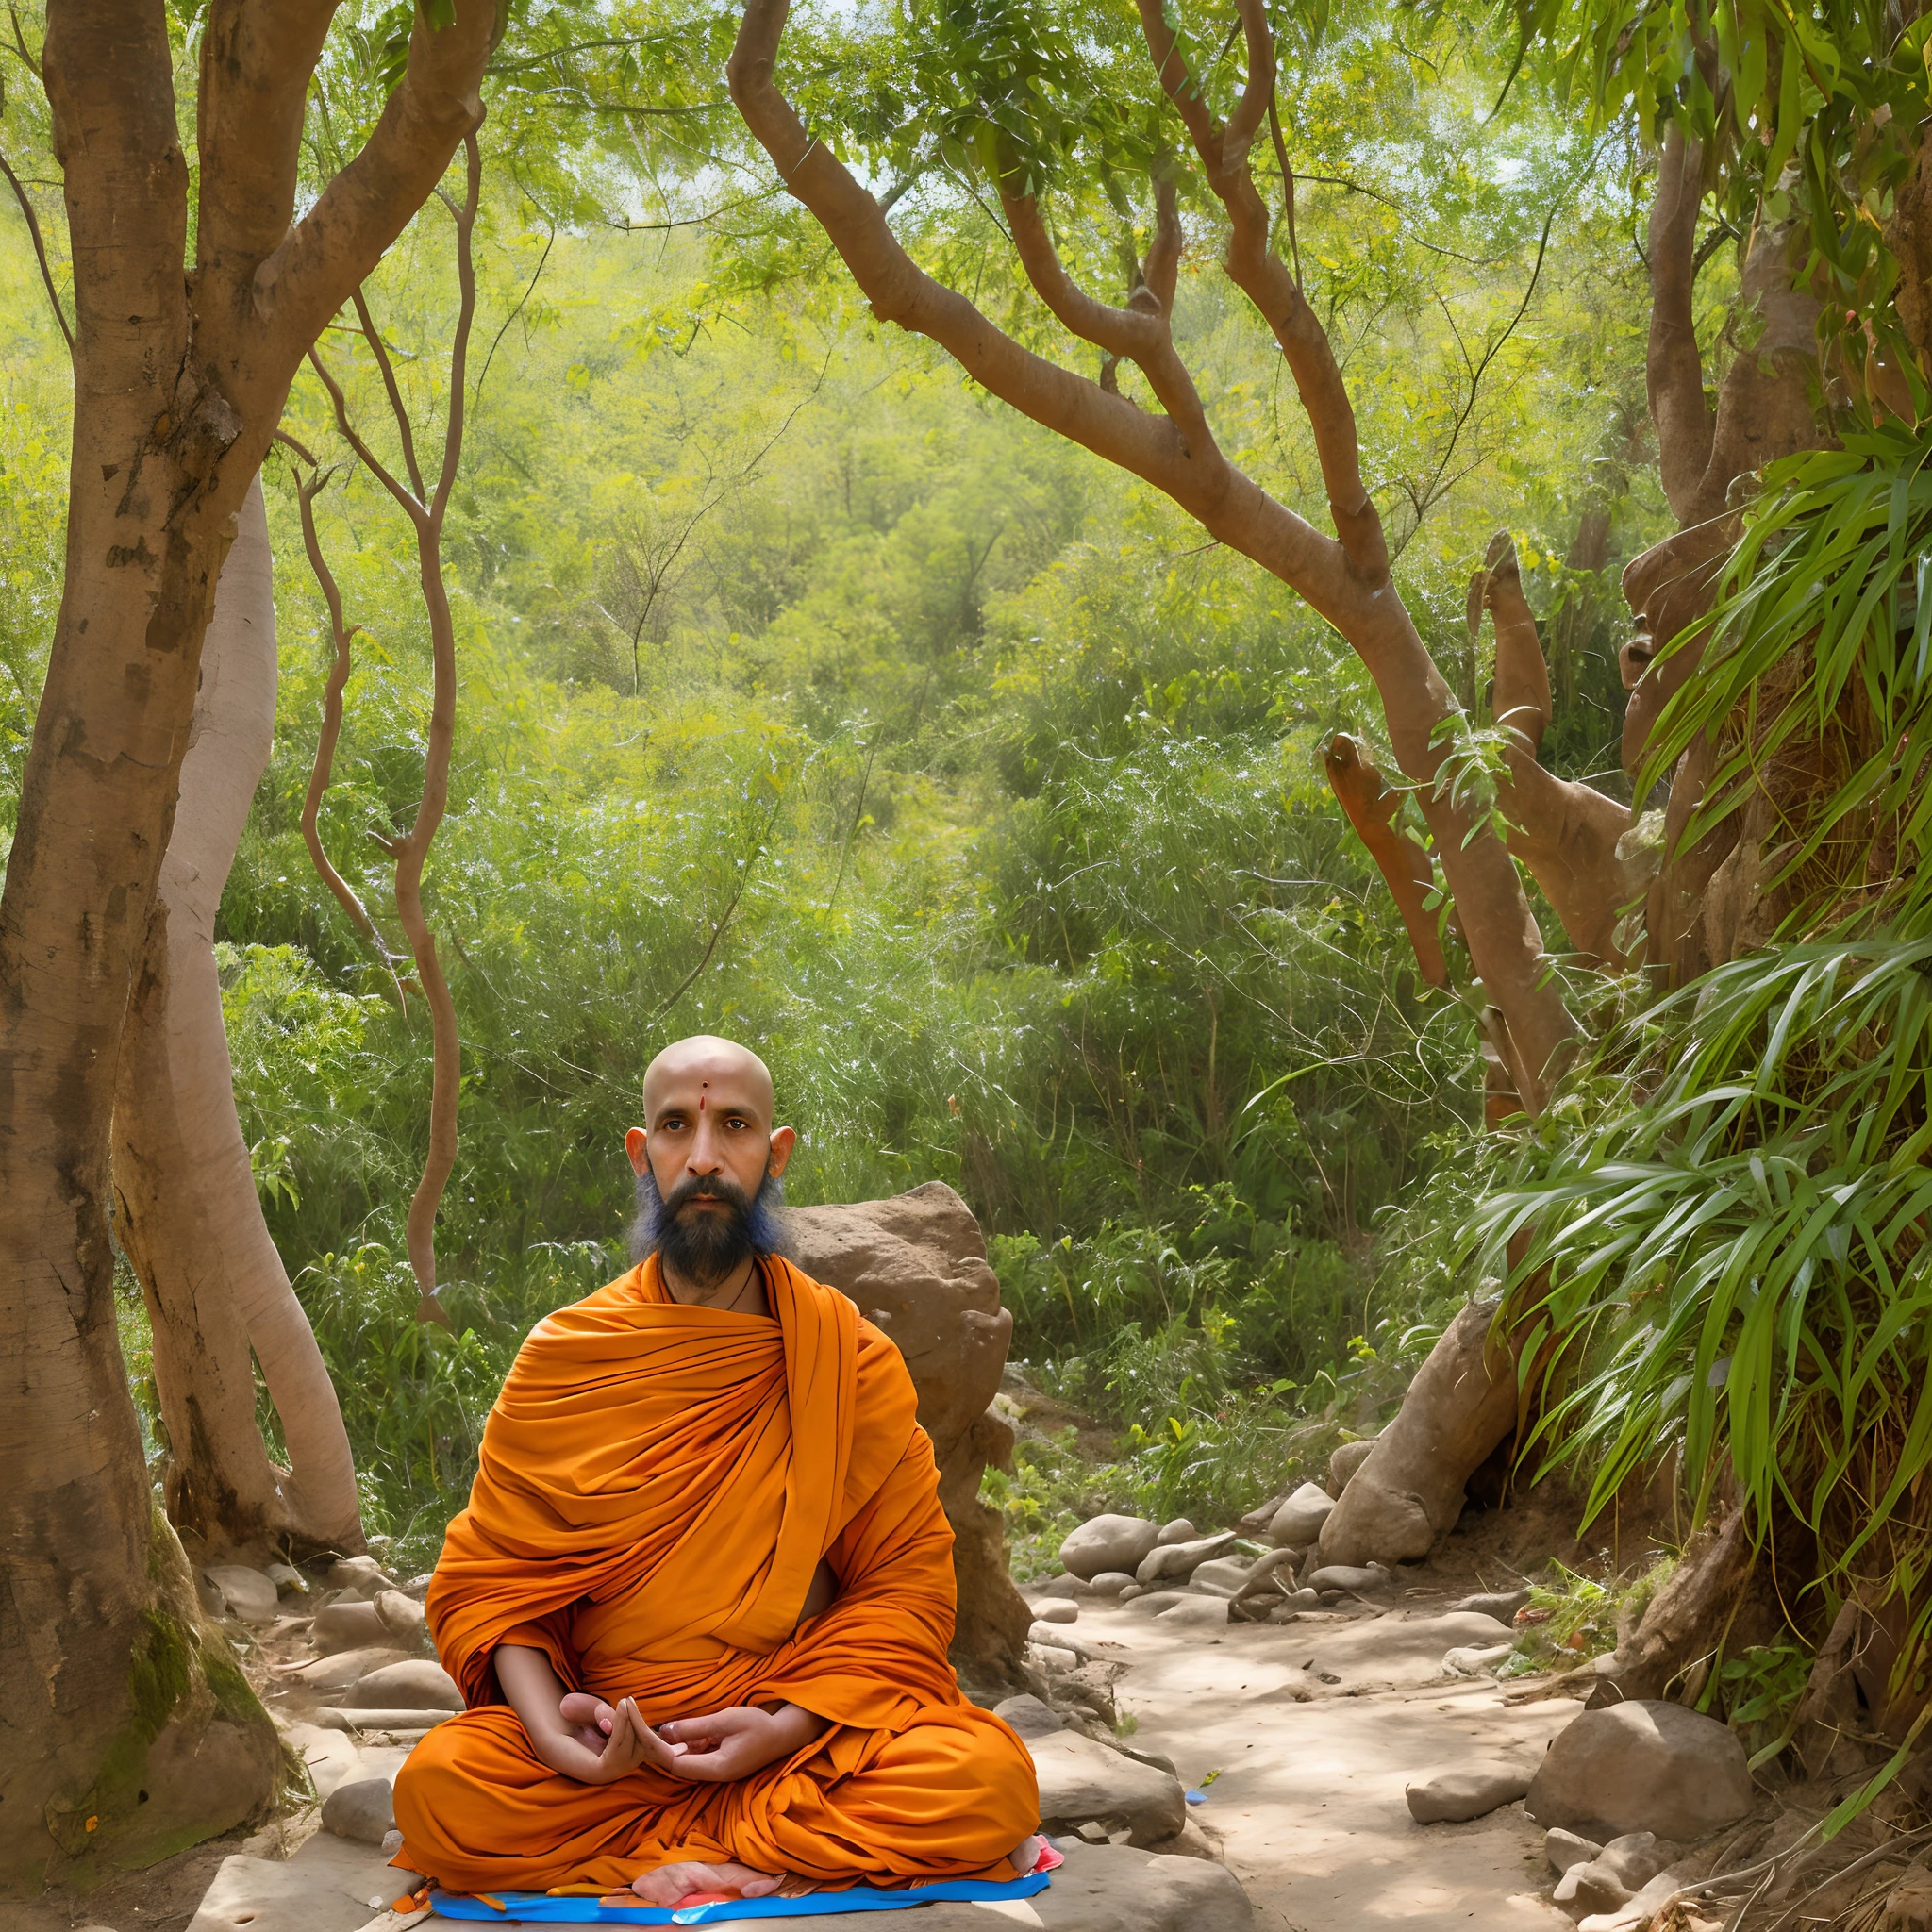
column 188, row 1214
column 179, row 384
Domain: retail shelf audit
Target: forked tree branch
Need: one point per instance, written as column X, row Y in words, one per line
column 1264, row 278
column 405, row 430
column 1346, row 582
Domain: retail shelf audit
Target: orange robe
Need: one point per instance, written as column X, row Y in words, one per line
column 658, row 1485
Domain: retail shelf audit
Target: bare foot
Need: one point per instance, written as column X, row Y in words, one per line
column 1025, row 1854
column 670, row 1882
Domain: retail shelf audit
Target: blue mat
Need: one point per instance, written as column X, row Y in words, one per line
column 539, row 1908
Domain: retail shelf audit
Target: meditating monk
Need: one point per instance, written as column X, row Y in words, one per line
column 700, row 1600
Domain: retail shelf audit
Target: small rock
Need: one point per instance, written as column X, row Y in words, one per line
column 1469, row 1661
column 1638, row 1857
column 1642, row 1766
column 1111, row 1583
column 1460, row 1792
column 415, row 1684
column 1150, row 1602
column 1130, row 1590
column 365, row 1810
column 247, row 1593
column 213, row 1604
column 1159, row 1759
column 1180, row 1531
column 1299, row 1519
column 347, row 1626
column 1224, row 1576
column 1258, row 1519
column 1029, row 1716
column 418, row 1587
column 1564, row 1849
column 1084, row 1782
column 1292, row 1605
column 1502, row 1605
column 1634, row 1914
column 1055, row 1637
column 1345, row 1460
column 1054, row 1609
column 334, row 1673
column 1589, row 1888
column 1196, row 1613
column 1108, row 1543
column 285, row 1576
column 1177, row 1562
column 1346, row 1576
column 363, row 1575
column 402, row 1616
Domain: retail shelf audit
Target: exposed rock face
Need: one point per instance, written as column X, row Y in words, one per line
column 1410, row 1488
column 916, row 1266
column 1642, row 1767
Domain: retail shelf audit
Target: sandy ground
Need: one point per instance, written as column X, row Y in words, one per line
column 1309, row 1805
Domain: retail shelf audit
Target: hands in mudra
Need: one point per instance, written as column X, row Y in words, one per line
column 714, row 1749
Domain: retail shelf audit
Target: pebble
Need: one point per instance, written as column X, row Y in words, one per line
column 1111, row 1583
column 1054, row 1609
column 365, row 1810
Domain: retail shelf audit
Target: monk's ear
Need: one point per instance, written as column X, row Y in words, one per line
column 783, row 1141
column 636, row 1145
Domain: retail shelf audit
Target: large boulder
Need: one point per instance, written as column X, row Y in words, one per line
column 1643, row 1766
column 1108, row 1544
column 415, row 1684
column 916, row 1266
column 1408, row 1489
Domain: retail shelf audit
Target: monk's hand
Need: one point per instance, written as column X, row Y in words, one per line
column 587, row 1719
column 734, row 1744
column 631, row 1742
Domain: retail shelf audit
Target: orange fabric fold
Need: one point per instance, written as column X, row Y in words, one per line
column 656, row 1486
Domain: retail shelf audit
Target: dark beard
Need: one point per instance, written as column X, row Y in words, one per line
column 707, row 1248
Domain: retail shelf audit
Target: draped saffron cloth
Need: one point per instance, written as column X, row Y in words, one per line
column 656, row 1488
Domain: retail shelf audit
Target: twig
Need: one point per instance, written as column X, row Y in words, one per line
column 33, row 228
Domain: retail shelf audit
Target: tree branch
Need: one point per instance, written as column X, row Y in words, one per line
column 33, row 228
column 337, row 244
column 1264, row 278
column 1674, row 370
column 373, row 335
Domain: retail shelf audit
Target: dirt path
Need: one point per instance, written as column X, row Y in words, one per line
column 1309, row 1803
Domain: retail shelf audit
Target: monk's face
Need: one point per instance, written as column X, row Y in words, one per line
column 708, row 1144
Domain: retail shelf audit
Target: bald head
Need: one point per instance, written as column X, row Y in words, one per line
column 706, row 1068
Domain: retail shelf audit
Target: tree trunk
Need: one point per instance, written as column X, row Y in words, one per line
column 187, row 1211
column 178, row 382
